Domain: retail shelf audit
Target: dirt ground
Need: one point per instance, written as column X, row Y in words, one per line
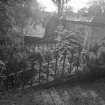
column 83, row 94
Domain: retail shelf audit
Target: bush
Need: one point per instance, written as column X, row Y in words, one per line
column 96, row 62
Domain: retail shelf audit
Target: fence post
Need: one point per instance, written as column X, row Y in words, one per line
column 70, row 67
column 7, row 87
column 48, row 70
column 31, row 82
column 70, row 59
column 15, row 80
column 33, row 71
column 47, row 46
column 56, row 64
column 40, row 68
column 23, row 82
column 64, row 58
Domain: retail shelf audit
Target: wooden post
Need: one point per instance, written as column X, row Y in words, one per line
column 40, row 69
column 23, row 82
column 7, row 80
column 70, row 67
column 48, row 71
column 56, row 64
column 31, row 82
column 70, row 63
column 15, row 80
column 63, row 68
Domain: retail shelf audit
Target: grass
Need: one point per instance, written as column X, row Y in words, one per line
column 83, row 94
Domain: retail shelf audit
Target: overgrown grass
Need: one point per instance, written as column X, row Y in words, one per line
column 84, row 94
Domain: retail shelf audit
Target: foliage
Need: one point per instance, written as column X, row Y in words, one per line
column 70, row 43
column 95, row 66
column 85, row 94
column 96, row 9
column 51, row 27
column 60, row 4
column 13, row 20
column 14, row 17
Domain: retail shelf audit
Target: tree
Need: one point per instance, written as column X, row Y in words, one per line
column 14, row 17
column 60, row 4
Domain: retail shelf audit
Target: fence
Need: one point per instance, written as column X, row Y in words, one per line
column 42, row 72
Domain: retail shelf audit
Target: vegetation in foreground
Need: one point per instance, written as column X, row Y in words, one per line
column 87, row 94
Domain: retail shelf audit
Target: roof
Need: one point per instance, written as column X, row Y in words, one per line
column 38, row 31
column 37, row 40
column 48, row 38
column 93, row 24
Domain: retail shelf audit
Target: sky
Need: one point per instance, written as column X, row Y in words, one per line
column 78, row 4
column 49, row 6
